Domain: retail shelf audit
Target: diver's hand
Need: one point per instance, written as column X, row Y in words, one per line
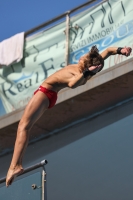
column 12, row 173
column 126, row 51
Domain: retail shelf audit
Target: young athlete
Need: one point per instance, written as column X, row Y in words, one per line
column 45, row 97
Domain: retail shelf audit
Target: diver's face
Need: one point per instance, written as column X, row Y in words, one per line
column 96, row 68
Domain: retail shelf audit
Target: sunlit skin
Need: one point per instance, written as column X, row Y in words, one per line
column 70, row 76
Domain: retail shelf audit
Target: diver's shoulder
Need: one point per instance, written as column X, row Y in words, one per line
column 71, row 66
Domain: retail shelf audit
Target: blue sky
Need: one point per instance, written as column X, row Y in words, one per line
column 22, row 15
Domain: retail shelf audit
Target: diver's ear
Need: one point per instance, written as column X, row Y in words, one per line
column 94, row 49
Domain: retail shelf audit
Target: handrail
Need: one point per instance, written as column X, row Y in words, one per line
column 57, row 18
column 28, row 169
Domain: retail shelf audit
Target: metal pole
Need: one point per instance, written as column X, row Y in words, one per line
column 33, row 167
column 44, row 186
column 67, row 39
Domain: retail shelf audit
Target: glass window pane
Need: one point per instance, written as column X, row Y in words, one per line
column 22, row 189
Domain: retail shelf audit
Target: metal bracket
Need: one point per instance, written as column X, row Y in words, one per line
column 34, row 186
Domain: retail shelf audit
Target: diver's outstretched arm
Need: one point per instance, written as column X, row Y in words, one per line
column 126, row 51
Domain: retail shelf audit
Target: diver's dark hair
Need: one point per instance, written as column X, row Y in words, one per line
column 94, row 49
column 93, row 58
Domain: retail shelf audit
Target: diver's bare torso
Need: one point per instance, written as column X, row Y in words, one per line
column 70, row 76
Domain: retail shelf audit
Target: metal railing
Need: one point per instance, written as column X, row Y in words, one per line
column 34, row 186
column 59, row 17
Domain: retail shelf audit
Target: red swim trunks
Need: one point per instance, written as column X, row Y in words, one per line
column 52, row 95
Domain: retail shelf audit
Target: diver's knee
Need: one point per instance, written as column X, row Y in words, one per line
column 25, row 125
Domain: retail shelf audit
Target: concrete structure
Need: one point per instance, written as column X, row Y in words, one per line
column 99, row 79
